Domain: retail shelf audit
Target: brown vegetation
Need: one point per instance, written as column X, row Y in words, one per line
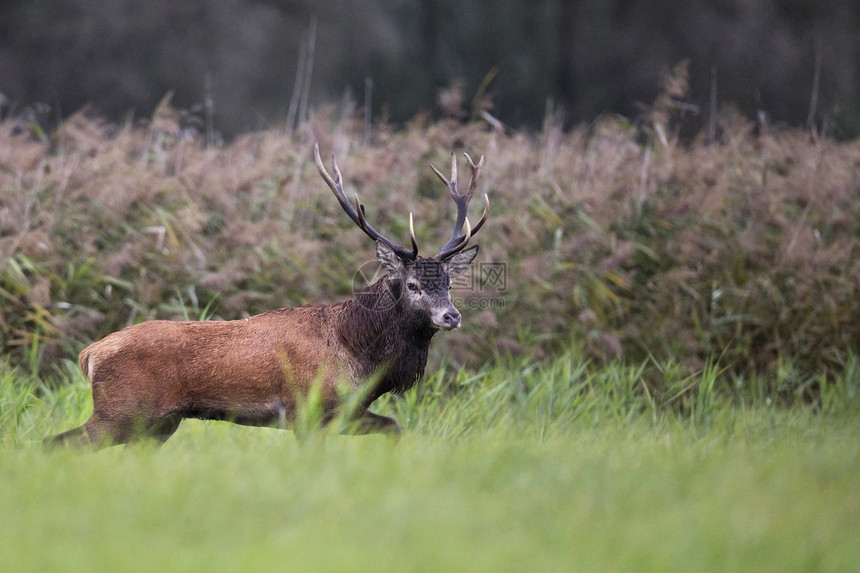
column 744, row 250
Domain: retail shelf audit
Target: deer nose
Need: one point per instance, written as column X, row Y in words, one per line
column 452, row 318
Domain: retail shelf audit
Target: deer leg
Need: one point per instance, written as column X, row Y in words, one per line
column 163, row 428
column 97, row 432
column 100, row 432
column 77, row 437
column 370, row 423
column 271, row 414
column 103, row 432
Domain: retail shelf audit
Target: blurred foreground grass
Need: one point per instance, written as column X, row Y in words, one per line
column 560, row 466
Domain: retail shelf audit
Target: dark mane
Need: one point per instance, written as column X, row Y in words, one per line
column 383, row 335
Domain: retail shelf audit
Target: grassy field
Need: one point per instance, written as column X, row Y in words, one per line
column 556, row 465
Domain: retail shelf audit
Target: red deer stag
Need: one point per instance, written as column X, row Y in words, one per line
column 146, row 378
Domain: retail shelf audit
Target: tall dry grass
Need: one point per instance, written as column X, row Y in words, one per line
column 614, row 235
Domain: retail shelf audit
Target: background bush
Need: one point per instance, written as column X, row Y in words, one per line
column 742, row 251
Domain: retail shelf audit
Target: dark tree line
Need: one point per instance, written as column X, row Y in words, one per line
column 587, row 56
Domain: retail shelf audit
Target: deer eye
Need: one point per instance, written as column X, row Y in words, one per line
column 413, row 286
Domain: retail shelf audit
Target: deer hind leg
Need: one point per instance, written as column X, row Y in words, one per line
column 97, row 432
column 74, row 437
column 104, row 432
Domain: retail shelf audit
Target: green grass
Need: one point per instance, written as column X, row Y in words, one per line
column 549, row 466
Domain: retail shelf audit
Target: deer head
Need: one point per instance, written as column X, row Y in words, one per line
column 420, row 285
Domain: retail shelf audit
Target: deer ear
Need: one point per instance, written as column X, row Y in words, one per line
column 390, row 261
column 459, row 263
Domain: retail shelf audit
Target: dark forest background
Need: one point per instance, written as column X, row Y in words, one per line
column 798, row 61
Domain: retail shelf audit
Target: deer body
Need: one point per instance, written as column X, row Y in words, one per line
column 146, row 378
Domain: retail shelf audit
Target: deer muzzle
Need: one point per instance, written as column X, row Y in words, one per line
column 448, row 318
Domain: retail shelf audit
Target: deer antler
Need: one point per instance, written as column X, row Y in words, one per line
column 458, row 239
column 357, row 213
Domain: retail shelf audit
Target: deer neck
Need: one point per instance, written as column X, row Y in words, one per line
column 385, row 338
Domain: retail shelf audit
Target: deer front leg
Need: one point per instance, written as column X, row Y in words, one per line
column 370, row 423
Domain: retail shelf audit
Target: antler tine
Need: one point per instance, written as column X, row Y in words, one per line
column 483, row 215
column 412, row 234
column 334, row 184
column 452, row 184
column 475, row 171
column 357, row 213
column 362, row 221
column 467, row 235
column 458, row 241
